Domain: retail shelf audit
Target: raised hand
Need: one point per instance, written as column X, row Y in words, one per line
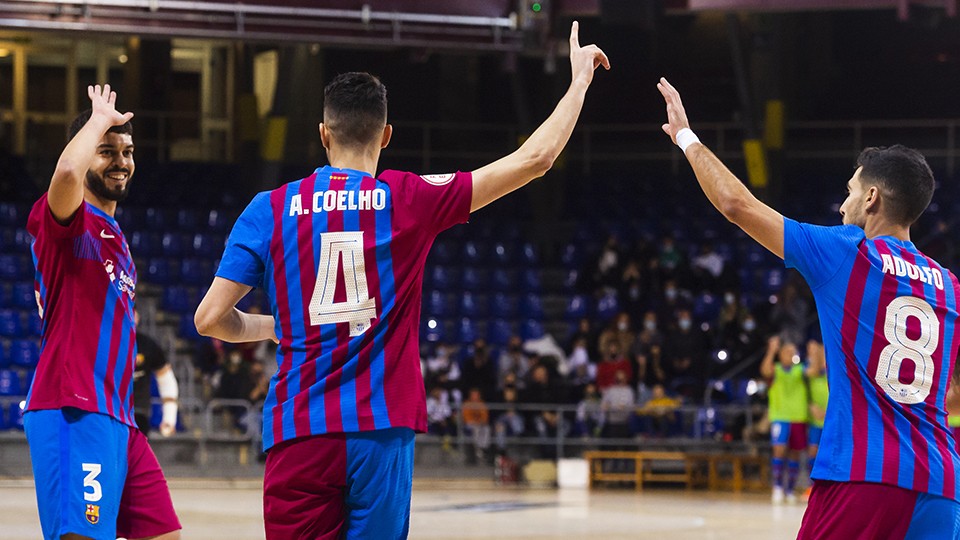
column 676, row 116
column 584, row 60
column 103, row 102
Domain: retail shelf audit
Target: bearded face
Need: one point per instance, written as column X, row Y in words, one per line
column 109, row 175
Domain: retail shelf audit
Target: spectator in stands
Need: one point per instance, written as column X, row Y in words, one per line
column 586, row 331
column 510, row 423
column 671, row 301
column 478, row 371
column 441, row 366
column 685, row 353
column 789, row 410
column 608, row 264
column 618, row 403
column 791, row 314
column 707, row 268
column 631, row 287
column 542, row 389
column 613, row 361
column 582, row 370
column 647, row 350
column 439, row 414
column 659, row 412
column 234, row 381
column 152, row 362
column 620, row 331
column 670, row 260
column 476, row 423
column 590, row 414
column 513, row 360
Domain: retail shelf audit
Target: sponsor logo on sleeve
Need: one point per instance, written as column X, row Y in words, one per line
column 438, row 179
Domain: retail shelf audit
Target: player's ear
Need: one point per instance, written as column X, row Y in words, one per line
column 387, row 133
column 873, row 198
column 324, row 136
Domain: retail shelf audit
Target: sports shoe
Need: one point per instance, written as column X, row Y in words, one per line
column 792, row 498
column 778, row 495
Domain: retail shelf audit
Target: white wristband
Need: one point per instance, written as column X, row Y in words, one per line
column 686, row 137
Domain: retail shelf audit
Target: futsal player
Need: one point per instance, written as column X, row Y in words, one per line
column 816, row 373
column 96, row 476
column 888, row 314
column 341, row 254
column 788, row 411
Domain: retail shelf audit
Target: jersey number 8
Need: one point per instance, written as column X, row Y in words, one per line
column 901, row 347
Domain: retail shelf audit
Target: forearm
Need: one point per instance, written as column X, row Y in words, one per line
column 724, row 190
column 66, row 186
column 551, row 137
column 236, row 326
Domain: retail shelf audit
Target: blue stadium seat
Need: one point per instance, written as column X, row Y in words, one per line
column 6, row 295
column 10, row 383
column 571, row 256
column 156, row 219
column 195, row 271
column 473, row 279
column 467, row 330
column 171, row 245
column 437, row 305
column 433, row 330
column 706, row 307
column 529, row 255
column 22, row 240
column 531, row 330
column 174, row 298
column 217, row 221
column 15, row 418
column 531, row 307
column 188, row 219
column 158, row 271
column 443, row 253
column 15, row 267
column 470, row 306
column 503, row 306
column 144, row 244
column 10, row 324
column 607, row 306
column 503, row 280
column 499, row 332
column 188, row 330
column 773, row 280
column 530, row 281
column 33, row 323
column 503, row 253
column 7, row 239
column 570, row 279
column 23, row 296
column 10, row 214
column 24, row 353
column 441, row 278
column 577, row 307
column 207, row 245
column 473, row 254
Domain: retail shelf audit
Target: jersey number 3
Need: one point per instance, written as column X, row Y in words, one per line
column 901, row 347
column 359, row 309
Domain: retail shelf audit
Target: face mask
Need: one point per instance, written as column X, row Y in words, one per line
column 622, row 326
column 729, row 298
column 685, row 324
column 670, row 294
column 749, row 325
column 650, row 325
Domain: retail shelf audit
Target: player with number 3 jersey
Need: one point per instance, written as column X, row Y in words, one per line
column 340, row 255
column 887, row 464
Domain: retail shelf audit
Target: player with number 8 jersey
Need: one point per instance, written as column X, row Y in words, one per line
column 887, row 463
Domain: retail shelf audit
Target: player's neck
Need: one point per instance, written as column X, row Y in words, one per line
column 106, row 206
column 363, row 161
column 881, row 227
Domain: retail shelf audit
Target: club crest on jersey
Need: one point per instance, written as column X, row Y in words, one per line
column 438, row 179
column 93, row 514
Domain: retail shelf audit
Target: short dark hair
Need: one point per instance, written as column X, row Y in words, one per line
column 355, row 108
column 82, row 119
column 904, row 177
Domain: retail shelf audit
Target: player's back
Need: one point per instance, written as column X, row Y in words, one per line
column 85, row 284
column 888, row 315
column 340, row 255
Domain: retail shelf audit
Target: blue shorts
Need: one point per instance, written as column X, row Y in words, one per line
column 329, row 487
column 96, row 477
column 813, row 435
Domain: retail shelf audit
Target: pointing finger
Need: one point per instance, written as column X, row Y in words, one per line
column 575, row 35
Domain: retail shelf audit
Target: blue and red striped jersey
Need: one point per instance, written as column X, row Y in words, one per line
column 85, row 283
column 340, row 256
column 889, row 319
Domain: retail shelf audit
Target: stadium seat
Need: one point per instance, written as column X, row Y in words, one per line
column 473, row 254
column 206, row 245
column 10, row 324
column 607, row 306
column 443, row 253
column 503, row 253
column 33, row 323
column 15, row 267
column 7, row 239
column 217, row 221
column 437, row 304
column 433, row 330
column 24, row 353
column 440, row 278
column 188, row 219
column 577, row 307
column 531, row 330
column 467, row 330
column 773, row 280
column 10, row 383
column 23, row 296
column 530, row 281
column 503, row 280
column 470, row 306
column 6, row 295
column 499, row 332
column 15, row 417
column 706, row 307
column 531, row 307
column 144, row 244
column 529, row 255
column 174, row 298
column 473, row 279
column 194, row 271
column 188, row 329
column 570, row 256
column 10, row 215
column 171, row 245
column 571, row 278
column 503, row 306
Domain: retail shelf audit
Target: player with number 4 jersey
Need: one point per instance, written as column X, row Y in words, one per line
column 887, row 464
column 340, row 255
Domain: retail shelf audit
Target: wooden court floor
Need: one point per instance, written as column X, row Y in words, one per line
column 221, row 510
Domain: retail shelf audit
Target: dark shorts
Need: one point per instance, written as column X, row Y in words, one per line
column 96, row 477
column 793, row 435
column 862, row 511
column 328, row 487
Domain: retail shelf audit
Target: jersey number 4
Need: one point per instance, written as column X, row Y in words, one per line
column 900, row 347
column 359, row 309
